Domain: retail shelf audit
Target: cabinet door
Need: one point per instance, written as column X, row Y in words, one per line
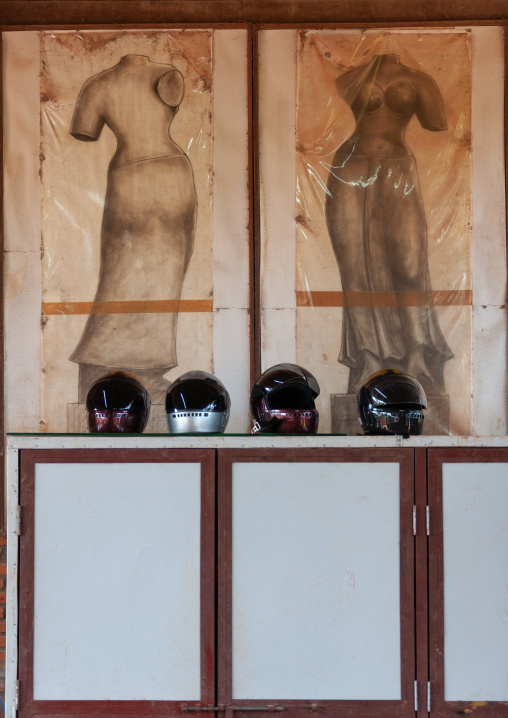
column 468, row 581
column 316, row 581
column 116, row 581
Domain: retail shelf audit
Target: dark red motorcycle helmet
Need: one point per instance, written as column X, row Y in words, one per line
column 282, row 401
column 391, row 402
column 117, row 403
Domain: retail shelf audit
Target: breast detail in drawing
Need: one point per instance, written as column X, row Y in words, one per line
column 377, row 225
column 148, row 224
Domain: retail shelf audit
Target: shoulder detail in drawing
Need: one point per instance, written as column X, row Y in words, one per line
column 171, row 88
column 364, row 88
column 87, row 119
column 430, row 108
column 348, row 82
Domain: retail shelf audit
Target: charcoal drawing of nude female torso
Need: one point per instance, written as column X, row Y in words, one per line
column 377, row 225
column 148, row 224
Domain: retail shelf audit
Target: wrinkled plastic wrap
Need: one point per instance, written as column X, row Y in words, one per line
column 383, row 172
column 125, row 190
column 458, row 174
column 126, row 158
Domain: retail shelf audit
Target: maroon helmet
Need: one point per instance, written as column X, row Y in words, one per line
column 282, row 401
column 117, row 403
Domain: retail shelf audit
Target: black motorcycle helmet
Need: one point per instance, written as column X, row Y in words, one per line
column 197, row 402
column 117, row 403
column 391, row 402
column 282, row 401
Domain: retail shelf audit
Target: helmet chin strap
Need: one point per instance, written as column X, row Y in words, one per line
column 256, row 427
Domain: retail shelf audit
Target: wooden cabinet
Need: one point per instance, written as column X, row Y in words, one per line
column 340, row 581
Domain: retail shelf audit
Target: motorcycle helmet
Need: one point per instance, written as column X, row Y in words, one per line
column 117, row 403
column 197, row 402
column 391, row 402
column 282, row 401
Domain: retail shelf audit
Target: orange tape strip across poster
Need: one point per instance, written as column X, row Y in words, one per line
column 140, row 307
column 437, row 298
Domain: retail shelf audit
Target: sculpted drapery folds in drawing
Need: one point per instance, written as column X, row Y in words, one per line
column 148, row 224
column 377, row 225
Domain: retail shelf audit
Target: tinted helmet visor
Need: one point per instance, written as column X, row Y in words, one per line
column 392, row 388
column 291, row 396
column 197, row 391
column 195, row 395
column 283, row 375
column 403, row 421
column 116, row 391
column 303, row 419
column 117, row 403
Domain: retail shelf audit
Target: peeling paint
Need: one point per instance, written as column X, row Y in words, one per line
column 474, row 706
column 481, row 704
column 86, row 41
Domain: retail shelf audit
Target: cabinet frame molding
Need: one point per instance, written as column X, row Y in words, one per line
column 436, row 580
column 132, row 708
column 293, row 708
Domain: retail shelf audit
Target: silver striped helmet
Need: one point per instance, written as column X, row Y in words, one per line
column 197, row 402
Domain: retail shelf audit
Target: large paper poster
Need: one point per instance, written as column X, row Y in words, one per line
column 383, row 214
column 384, row 181
column 126, row 161
column 140, row 155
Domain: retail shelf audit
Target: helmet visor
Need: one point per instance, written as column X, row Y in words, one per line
column 396, row 391
column 195, row 395
column 280, row 375
column 405, row 422
column 111, row 395
column 289, row 421
column 291, row 396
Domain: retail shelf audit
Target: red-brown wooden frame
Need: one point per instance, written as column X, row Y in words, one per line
column 439, row 707
column 421, row 583
column 405, row 458
column 134, row 709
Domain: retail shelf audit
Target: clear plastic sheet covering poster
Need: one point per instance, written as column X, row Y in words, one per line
column 127, row 228
column 383, row 218
column 139, row 186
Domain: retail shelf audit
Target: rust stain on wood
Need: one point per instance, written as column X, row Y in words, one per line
column 474, row 706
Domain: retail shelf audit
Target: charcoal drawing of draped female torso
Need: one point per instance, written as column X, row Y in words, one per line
column 377, row 225
column 149, row 218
